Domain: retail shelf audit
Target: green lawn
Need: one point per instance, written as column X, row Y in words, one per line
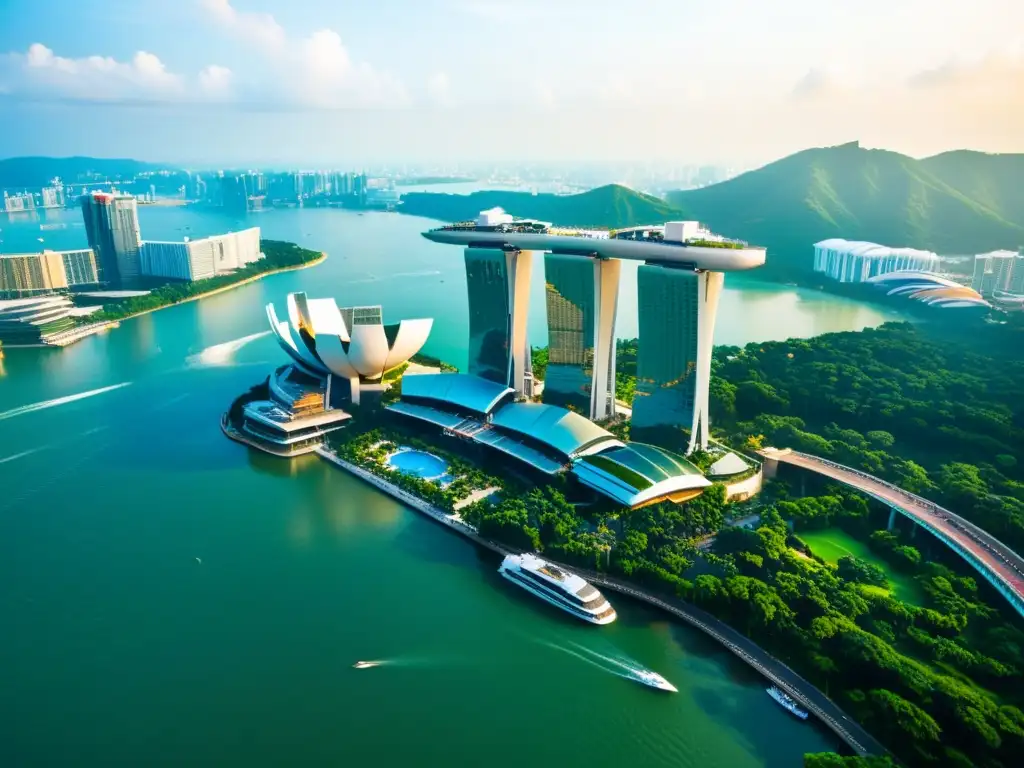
column 830, row 544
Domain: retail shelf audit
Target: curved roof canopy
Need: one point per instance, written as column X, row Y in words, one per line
column 929, row 289
column 565, row 432
column 638, row 474
column 458, row 389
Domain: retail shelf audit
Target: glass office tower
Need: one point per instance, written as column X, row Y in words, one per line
column 112, row 226
column 582, row 297
column 676, row 309
column 498, row 284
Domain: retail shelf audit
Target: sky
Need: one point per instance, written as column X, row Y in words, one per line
column 336, row 82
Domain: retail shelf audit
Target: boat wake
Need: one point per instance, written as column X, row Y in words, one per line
column 222, row 354
column 23, row 409
column 16, row 456
column 623, row 667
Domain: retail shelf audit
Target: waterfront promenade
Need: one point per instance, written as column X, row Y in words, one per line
column 858, row 739
column 1000, row 565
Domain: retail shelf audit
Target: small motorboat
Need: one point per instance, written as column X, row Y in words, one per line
column 365, row 664
column 653, row 680
column 787, row 702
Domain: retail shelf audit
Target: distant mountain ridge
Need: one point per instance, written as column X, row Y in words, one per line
column 955, row 203
column 609, row 206
column 34, row 172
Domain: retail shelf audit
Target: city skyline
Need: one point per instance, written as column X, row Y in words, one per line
column 313, row 82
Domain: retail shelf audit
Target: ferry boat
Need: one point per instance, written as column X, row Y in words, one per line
column 560, row 588
column 654, row 680
column 787, row 702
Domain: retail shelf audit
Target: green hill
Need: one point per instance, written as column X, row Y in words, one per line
column 609, row 206
column 959, row 202
column 31, row 172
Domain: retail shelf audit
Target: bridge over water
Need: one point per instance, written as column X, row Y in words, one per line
column 996, row 562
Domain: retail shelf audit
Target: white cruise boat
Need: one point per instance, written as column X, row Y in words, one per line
column 566, row 590
column 787, row 702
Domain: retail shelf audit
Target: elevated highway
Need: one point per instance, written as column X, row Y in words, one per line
column 996, row 562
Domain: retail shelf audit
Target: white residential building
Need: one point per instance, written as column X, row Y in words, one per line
column 1001, row 271
column 200, row 259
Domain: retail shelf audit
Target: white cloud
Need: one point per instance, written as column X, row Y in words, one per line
column 215, row 81
column 545, row 96
column 257, row 27
column 439, row 88
column 39, row 72
column 315, row 71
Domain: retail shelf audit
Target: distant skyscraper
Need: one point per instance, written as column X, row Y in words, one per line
column 676, row 309
column 112, row 226
column 998, row 271
column 582, row 296
column 498, row 283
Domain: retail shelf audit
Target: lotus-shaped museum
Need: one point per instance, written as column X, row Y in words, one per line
column 350, row 343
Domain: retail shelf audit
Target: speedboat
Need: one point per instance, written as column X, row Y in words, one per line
column 787, row 702
column 653, row 680
column 560, row 588
column 365, row 664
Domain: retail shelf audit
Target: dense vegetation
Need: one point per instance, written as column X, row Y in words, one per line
column 934, row 674
column 609, row 206
column 936, row 418
column 278, row 255
column 938, row 683
column 958, row 202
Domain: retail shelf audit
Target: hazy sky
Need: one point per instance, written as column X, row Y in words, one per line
column 340, row 81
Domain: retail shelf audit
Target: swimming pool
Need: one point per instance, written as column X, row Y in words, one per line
column 418, row 463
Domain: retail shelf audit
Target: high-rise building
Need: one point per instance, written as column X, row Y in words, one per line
column 24, row 201
column 676, row 309
column 854, row 262
column 200, row 259
column 53, row 197
column 1001, row 271
column 582, row 297
column 499, row 297
column 37, row 274
column 678, row 292
column 112, row 226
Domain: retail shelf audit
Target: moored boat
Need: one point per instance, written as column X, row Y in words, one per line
column 559, row 587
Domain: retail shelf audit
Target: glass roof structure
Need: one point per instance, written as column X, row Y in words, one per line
column 565, row 432
column 638, row 474
column 549, row 439
column 458, row 389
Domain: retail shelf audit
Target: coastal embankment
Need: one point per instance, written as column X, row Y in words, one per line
column 858, row 739
column 224, row 288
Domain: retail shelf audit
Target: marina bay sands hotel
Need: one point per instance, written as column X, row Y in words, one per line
column 678, row 289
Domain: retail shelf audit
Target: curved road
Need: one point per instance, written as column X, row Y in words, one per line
column 999, row 564
column 774, row 670
column 816, row 702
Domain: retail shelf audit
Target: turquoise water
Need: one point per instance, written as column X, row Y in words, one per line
column 120, row 648
column 419, row 463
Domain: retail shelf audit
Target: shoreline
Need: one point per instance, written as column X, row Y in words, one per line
column 224, row 288
column 777, row 672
